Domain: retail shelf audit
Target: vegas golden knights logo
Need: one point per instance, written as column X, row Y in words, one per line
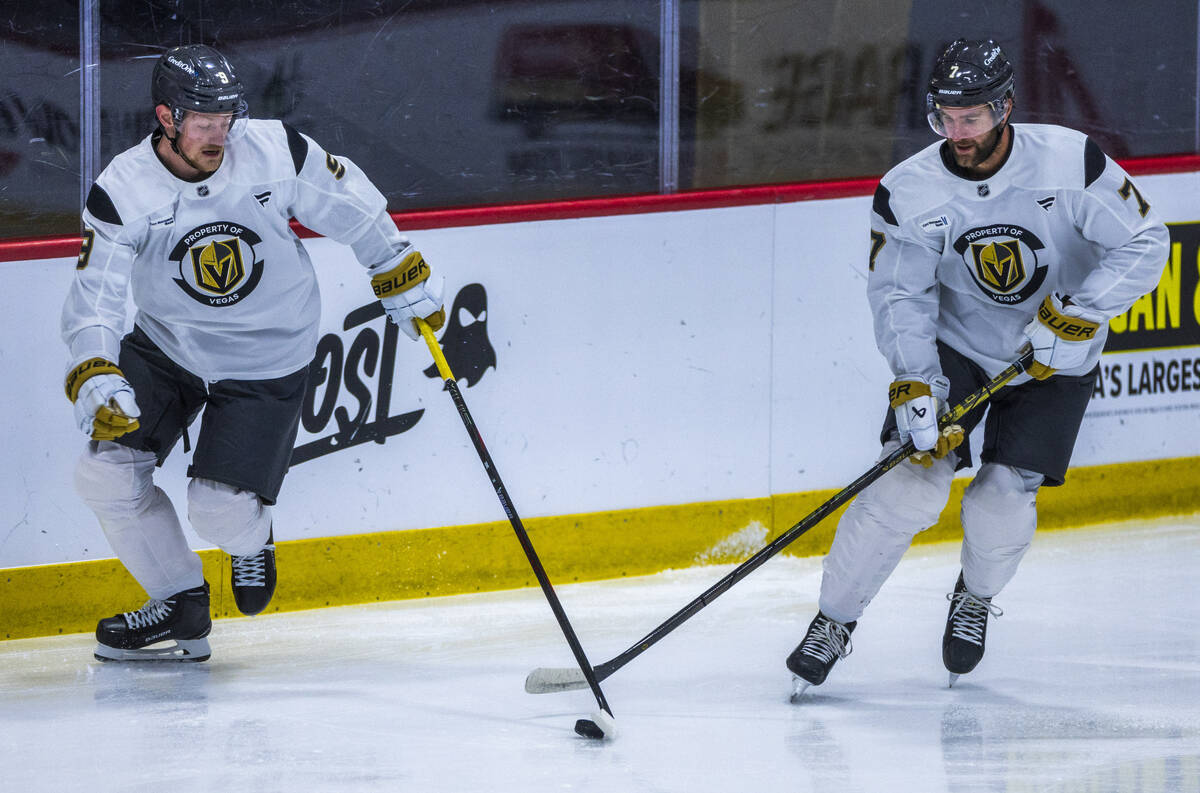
column 1004, row 261
column 218, row 265
column 998, row 264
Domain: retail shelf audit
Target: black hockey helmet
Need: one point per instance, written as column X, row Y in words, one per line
column 969, row 73
column 196, row 77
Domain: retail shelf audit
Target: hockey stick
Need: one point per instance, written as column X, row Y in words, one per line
column 547, row 679
column 601, row 725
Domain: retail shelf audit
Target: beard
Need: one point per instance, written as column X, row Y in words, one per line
column 979, row 150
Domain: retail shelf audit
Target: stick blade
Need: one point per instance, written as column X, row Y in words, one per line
column 547, row 680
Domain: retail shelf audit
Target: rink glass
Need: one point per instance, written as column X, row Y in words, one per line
column 468, row 102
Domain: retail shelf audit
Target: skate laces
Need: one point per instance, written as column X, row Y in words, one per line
column 250, row 570
column 968, row 616
column 154, row 611
column 827, row 639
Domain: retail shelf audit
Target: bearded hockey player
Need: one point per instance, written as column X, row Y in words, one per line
column 1000, row 236
column 191, row 224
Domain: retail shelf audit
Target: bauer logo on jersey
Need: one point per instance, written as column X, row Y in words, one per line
column 1003, row 261
column 212, row 261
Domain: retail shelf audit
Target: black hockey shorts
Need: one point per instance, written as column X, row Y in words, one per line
column 248, row 429
column 1032, row 426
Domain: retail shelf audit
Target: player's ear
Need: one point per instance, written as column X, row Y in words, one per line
column 165, row 119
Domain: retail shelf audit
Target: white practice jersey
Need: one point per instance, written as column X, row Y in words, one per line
column 219, row 280
column 969, row 262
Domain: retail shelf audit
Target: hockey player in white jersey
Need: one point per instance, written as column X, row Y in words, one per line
column 192, row 224
column 999, row 236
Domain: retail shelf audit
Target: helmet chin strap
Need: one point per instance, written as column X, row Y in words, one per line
column 999, row 135
column 995, row 143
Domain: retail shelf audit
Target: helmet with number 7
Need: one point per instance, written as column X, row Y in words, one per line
column 197, row 78
column 969, row 73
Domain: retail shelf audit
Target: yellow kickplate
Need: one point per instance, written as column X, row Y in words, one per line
column 396, row 565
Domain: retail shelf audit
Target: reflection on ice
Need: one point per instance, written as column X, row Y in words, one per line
column 1091, row 683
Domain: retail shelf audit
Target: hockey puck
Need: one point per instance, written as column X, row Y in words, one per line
column 600, row 727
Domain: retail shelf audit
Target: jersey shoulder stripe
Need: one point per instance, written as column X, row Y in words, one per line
column 297, row 145
column 1094, row 162
column 882, row 205
column 101, row 206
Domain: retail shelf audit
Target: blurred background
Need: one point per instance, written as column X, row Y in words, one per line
column 453, row 103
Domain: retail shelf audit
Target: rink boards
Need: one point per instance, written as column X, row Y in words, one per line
column 658, row 390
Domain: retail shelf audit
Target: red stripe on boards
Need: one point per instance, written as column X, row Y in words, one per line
column 31, row 248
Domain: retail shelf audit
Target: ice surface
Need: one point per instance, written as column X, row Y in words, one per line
column 1091, row 683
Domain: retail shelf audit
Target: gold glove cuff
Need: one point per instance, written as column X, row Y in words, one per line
column 411, row 271
column 901, row 391
column 1064, row 327
column 89, row 368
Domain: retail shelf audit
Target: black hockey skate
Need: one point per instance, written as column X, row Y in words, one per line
column 825, row 642
column 172, row 629
column 253, row 578
column 966, row 630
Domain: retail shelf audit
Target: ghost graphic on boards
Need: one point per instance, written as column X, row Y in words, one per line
column 465, row 342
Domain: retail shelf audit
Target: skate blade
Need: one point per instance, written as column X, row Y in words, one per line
column 953, row 680
column 186, row 650
column 799, row 686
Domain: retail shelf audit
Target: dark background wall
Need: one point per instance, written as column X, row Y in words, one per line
column 469, row 102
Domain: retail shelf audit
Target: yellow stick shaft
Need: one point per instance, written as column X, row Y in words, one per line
column 435, row 349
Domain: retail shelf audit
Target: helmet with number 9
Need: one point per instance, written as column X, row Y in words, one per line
column 197, row 78
column 969, row 73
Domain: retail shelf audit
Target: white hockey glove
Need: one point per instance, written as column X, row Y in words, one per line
column 104, row 405
column 918, row 404
column 1061, row 335
column 409, row 291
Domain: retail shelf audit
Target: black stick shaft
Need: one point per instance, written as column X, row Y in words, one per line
column 513, row 518
column 972, row 401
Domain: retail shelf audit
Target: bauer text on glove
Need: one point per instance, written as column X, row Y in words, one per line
column 410, row 291
column 1061, row 335
column 918, row 404
column 104, row 404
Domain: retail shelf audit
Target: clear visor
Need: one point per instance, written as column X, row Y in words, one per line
column 212, row 128
column 958, row 123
